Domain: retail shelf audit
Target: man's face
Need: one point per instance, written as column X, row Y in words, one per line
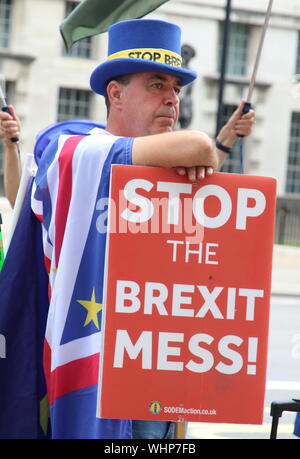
column 150, row 104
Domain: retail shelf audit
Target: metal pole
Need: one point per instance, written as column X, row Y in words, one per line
column 223, row 67
column 259, row 50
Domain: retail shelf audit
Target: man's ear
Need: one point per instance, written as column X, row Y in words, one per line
column 114, row 92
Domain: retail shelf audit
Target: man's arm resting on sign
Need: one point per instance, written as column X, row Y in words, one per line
column 184, row 148
column 191, row 152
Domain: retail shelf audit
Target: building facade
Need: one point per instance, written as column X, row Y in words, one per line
column 46, row 85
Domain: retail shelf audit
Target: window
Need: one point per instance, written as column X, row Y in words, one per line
column 83, row 47
column 5, row 20
column 237, row 48
column 232, row 163
column 293, row 169
column 9, row 93
column 73, row 103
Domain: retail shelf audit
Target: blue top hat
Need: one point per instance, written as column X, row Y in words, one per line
column 141, row 45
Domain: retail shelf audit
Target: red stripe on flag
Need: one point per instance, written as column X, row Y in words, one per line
column 72, row 376
column 47, row 263
column 47, row 362
column 64, row 190
column 39, row 217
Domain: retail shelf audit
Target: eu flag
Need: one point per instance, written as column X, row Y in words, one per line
column 49, row 349
column 23, row 311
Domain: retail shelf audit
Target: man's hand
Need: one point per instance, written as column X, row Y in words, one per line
column 9, row 125
column 195, row 173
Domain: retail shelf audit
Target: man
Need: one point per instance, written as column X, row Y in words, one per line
column 145, row 106
column 141, row 81
column 9, row 128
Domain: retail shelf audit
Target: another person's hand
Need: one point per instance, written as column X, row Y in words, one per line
column 9, row 125
column 237, row 125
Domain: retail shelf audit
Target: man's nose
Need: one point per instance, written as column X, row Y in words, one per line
column 171, row 97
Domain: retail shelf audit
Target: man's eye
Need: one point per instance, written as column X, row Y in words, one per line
column 157, row 85
column 177, row 90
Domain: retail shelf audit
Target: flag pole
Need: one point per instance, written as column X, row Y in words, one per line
column 28, row 171
column 248, row 103
column 258, row 54
column 223, row 67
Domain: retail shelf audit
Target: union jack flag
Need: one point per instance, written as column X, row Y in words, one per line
column 73, row 175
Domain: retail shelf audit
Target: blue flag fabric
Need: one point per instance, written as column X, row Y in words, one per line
column 71, row 127
column 23, row 311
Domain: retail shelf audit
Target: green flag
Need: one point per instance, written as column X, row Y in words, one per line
column 92, row 17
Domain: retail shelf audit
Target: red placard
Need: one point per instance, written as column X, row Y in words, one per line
column 188, row 278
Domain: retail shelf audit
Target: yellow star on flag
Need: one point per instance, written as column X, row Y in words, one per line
column 93, row 308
